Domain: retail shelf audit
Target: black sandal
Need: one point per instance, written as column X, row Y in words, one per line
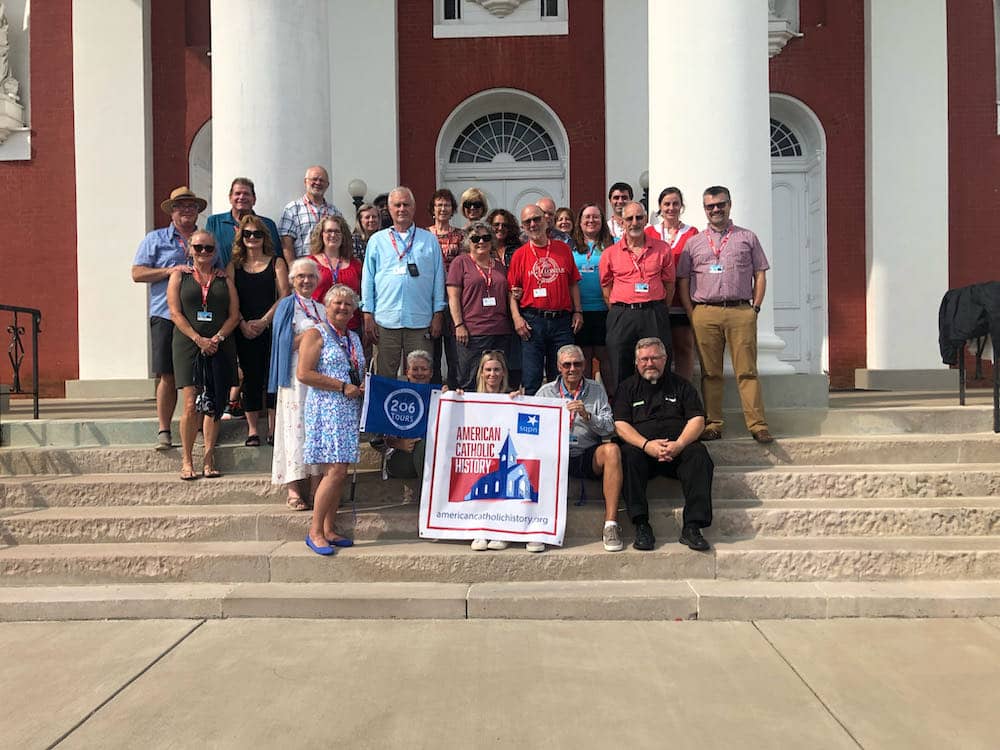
column 252, row 442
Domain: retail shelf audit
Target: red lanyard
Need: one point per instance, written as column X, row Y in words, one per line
column 637, row 263
column 487, row 275
column 345, row 344
column 533, row 246
column 567, row 393
column 722, row 245
column 204, row 288
column 591, row 244
column 312, row 211
column 409, row 245
column 315, row 315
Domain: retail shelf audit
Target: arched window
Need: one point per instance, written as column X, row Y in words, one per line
column 517, row 136
column 783, row 141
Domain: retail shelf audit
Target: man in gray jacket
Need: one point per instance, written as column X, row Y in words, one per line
column 591, row 420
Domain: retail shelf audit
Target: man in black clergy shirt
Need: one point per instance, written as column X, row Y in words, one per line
column 659, row 417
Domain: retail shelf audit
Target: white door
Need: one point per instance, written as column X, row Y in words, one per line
column 789, row 276
column 797, row 280
column 512, row 194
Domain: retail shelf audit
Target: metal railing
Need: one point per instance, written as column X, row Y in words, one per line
column 15, row 350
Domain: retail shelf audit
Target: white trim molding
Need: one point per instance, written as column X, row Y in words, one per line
column 782, row 24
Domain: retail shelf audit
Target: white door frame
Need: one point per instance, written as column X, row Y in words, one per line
column 502, row 100
column 807, row 127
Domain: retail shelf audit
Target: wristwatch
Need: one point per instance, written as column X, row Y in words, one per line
column 756, row 308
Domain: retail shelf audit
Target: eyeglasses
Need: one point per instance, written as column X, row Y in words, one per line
column 332, row 231
column 472, row 205
column 498, row 227
column 571, row 365
column 305, row 276
column 531, row 220
column 253, row 234
column 709, row 207
column 654, row 358
column 480, row 238
column 186, row 206
column 628, row 219
column 203, row 248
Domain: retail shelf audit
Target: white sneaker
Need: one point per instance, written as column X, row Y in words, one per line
column 496, row 544
column 535, row 546
column 479, row 545
column 613, row 538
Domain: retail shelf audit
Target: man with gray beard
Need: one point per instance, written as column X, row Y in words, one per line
column 659, row 417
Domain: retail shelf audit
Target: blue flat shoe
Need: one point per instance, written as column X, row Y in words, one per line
column 341, row 542
column 326, row 551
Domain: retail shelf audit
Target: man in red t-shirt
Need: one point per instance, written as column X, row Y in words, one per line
column 548, row 312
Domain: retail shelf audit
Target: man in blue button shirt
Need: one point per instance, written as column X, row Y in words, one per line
column 242, row 198
column 161, row 253
column 402, row 286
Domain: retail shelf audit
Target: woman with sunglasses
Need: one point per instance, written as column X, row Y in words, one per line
column 478, row 301
column 296, row 314
column 508, row 237
column 205, row 311
column 367, row 221
column 474, row 205
column 261, row 280
column 676, row 233
column 592, row 237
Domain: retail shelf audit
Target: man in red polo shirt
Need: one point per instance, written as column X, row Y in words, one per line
column 548, row 312
column 637, row 278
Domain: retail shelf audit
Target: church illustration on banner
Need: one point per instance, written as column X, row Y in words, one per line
column 510, row 480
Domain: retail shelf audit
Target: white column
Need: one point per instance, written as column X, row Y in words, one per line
column 270, row 97
column 709, row 121
column 113, row 144
column 363, row 69
column 907, row 184
column 626, row 87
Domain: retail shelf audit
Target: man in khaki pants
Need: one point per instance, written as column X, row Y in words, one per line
column 721, row 282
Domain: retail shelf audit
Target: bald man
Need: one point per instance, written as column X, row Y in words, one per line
column 300, row 216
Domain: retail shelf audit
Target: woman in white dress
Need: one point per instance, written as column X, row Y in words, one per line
column 296, row 314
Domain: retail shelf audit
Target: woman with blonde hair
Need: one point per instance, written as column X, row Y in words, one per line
column 367, row 221
column 474, row 204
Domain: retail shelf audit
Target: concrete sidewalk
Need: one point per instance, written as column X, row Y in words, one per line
column 444, row 684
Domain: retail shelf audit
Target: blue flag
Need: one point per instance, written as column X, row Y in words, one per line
column 395, row 407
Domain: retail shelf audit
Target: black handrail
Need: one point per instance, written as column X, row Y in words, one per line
column 15, row 351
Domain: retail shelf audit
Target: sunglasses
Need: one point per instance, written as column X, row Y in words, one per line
column 203, row 248
column 531, row 220
column 253, row 234
column 471, row 205
column 571, row 365
column 712, row 206
column 498, row 227
column 480, row 238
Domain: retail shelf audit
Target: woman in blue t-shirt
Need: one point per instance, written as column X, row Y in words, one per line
column 592, row 237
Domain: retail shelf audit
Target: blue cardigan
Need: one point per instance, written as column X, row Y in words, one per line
column 282, row 339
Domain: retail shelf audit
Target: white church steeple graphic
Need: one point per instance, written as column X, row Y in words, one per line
column 509, row 482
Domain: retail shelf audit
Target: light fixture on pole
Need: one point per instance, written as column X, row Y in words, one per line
column 357, row 188
column 644, row 184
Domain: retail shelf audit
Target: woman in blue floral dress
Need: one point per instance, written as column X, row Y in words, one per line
column 331, row 363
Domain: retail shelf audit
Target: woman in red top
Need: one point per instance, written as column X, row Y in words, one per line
column 331, row 248
column 676, row 233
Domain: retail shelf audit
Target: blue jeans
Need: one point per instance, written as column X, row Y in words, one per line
column 538, row 353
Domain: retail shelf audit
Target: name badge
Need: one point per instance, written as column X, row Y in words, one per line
column 573, row 439
column 412, row 269
column 587, row 269
column 540, row 292
column 204, row 316
column 715, row 268
column 489, row 301
column 642, row 288
column 399, row 271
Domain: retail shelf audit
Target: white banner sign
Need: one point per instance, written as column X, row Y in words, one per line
column 495, row 468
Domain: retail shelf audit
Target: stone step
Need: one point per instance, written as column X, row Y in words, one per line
column 737, row 451
column 578, row 600
column 89, row 424
column 731, row 482
column 769, row 559
column 733, row 518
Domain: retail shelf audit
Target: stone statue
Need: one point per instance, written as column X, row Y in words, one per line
column 11, row 113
